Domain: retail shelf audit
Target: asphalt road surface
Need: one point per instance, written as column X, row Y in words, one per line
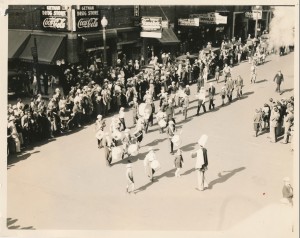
column 65, row 184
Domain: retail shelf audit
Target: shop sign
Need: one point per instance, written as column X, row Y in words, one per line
column 54, row 18
column 188, row 22
column 151, row 23
column 151, row 27
column 210, row 18
column 254, row 14
column 87, row 18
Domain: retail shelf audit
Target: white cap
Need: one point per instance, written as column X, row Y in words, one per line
column 202, row 141
column 99, row 116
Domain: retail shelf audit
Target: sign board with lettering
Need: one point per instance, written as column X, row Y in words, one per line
column 254, row 15
column 188, row 22
column 151, row 27
column 54, row 18
column 87, row 18
column 210, row 18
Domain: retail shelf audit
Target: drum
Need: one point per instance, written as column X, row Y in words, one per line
column 162, row 123
column 155, row 165
column 116, row 153
column 145, row 108
column 133, row 149
column 139, row 136
column 99, row 135
column 176, row 140
column 202, row 141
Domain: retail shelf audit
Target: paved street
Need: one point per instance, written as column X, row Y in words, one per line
column 65, row 183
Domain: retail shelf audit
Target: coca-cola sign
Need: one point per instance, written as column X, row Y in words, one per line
column 88, row 23
column 54, row 18
column 87, row 18
column 55, row 23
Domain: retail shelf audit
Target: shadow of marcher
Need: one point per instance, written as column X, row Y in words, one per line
column 10, row 223
column 168, row 174
column 188, row 172
column 261, row 81
column 12, row 159
column 140, row 156
column 189, row 147
column 247, row 93
column 286, row 91
column 224, row 178
column 155, row 142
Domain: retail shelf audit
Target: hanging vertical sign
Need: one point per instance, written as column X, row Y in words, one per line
column 87, row 18
column 54, row 18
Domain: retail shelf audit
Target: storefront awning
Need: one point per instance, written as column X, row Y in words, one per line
column 16, row 42
column 49, row 48
column 168, row 37
column 98, row 36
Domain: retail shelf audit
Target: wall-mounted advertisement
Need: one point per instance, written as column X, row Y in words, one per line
column 54, row 18
column 87, row 18
column 151, row 27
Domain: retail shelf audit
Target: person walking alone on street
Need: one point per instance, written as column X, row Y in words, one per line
column 253, row 73
column 129, row 178
column 201, row 100
column 239, row 85
column 278, row 79
column 178, row 162
column 170, row 132
column 201, row 163
column 211, row 94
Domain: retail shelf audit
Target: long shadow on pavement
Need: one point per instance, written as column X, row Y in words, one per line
column 224, row 178
column 10, row 223
column 286, row 90
column 261, row 81
column 15, row 158
column 189, row 147
column 170, row 173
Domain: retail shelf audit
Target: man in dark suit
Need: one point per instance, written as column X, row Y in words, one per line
column 278, row 79
column 211, row 94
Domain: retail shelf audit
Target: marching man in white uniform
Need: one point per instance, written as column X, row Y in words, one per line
column 201, row 163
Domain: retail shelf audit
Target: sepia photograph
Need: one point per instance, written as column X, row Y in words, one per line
column 175, row 118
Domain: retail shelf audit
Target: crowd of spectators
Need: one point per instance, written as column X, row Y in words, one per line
column 90, row 91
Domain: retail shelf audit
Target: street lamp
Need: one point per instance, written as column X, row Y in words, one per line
column 104, row 23
column 256, row 21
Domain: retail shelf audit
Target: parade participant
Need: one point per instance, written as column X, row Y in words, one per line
column 257, row 121
column 122, row 118
column 253, row 73
column 107, row 144
column 138, row 132
column 135, row 108
column 273, row 124
column 229, row 89
column 150, row 157
column 201, row 163
column 129, row 178
column 278, row 79
column 187, row 90
column 211, row 94
column 226, row 72
column 126, row 141
column 99, row 127
column 239, row 85
column 287, row 191
column 169, row 110
column 201, row 100
column 178, row 162
column 170, row 132
column 185, row 105
column 161, row 119
column 223, row 93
